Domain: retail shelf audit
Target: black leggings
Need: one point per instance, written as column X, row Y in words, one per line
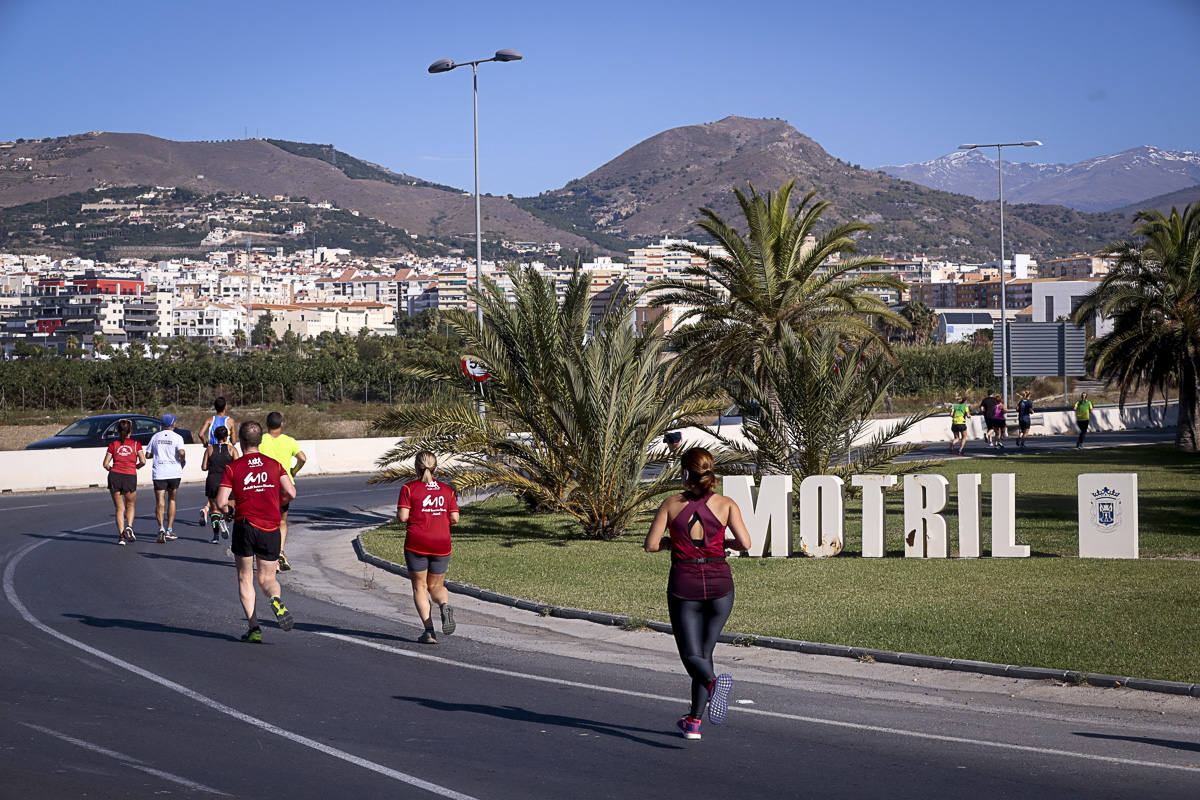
column 696, row 625
column 1083, row 426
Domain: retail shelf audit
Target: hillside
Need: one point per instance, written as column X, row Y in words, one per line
column 1102, row 183
column 656, row 186
column 43, row 169
column 1165, row 202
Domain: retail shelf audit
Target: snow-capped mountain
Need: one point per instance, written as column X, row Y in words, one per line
column 1097, row 184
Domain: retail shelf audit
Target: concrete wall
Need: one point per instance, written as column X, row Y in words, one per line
column 80, row 468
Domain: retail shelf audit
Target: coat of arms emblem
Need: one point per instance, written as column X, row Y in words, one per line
column 1106, row 508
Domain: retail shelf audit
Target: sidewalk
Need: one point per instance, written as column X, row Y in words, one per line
column 325, row 567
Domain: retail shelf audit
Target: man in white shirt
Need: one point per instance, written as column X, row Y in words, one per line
column 167, row 457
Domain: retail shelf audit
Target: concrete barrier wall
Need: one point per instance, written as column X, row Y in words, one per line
column 80, row 468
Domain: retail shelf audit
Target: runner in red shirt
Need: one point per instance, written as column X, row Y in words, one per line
column 257, row 484
column 122, row 460
column 429, row 508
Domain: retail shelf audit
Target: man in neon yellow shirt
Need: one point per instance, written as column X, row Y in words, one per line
column 960, row 412
column 286, row 450
column 1083, row 415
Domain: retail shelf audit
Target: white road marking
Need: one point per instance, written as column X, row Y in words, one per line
column 128, row 761
column 1047, row 751
column 215, row 705
column 18, row 508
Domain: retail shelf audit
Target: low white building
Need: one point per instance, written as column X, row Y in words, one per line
column 208, row 320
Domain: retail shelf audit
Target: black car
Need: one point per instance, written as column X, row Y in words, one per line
column 100, row 430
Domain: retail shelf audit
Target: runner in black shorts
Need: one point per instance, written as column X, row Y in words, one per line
column 257, row 483
column 216, row 458
column 122, row 460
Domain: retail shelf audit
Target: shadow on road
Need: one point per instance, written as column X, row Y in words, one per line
column 330, row 518
column 149, row 627
column 518, row 714
column 316, row 627
column 189, row 559
column 1193, row 747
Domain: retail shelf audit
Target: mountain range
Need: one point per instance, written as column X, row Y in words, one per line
column 654, row 189
column 1102, row 183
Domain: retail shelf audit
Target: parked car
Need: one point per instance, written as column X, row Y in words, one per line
column 98, row 431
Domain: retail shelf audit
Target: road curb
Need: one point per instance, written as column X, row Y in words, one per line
column 810, row 648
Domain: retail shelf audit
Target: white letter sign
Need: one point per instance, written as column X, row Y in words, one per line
column 872, row 511
column 1004, row 518
column 924, row 525
column 771, row 517
column 822, row 528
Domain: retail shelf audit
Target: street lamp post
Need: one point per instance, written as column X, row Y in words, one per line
column 1004, row 376
column 445, row 65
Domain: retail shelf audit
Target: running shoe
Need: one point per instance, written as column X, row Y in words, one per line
column 171, row 533
column 689, row 726
column 129, row 537
column 282, row 614
column 215, row 539
column 224, row 526
column 448, row 625
column 427, row 637
column 254, row 636
column 284, row 566
column 121, row 539
column 204, row 516
column 718, row 698
column 162, row 535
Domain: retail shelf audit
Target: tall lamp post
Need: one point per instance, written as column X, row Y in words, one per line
column 1003, row 270
column 445, row 65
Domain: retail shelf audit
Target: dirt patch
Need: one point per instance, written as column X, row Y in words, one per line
column 15, row 437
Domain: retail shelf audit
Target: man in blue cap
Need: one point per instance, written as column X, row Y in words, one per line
column 167, row 456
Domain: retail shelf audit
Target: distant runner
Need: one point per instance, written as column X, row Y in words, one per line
column 429, row 508
column 208, row 435
column 1024, row 417
column 257, row 485
column 286, row 450
column 700, row 587
column 960, row 412
column 987, row 407
column 1000, row 422
column 216, row 458
column 166, row 450
column 1083, row 416
column 122, row 460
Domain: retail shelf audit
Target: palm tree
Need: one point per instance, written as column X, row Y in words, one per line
column 922, row 318
column 574, row 408
column 826, row 392
column 1152, row 296
column 239, row 340
column 772, row 283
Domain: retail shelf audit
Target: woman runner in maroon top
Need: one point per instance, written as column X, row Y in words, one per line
column 700, row 588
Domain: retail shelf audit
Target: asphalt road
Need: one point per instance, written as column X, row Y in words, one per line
column 123, row 677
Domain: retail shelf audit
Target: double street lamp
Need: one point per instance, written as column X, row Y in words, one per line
column 1003, row 270
column 445, row 65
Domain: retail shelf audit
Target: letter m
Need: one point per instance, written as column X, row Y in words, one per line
column 769, row 520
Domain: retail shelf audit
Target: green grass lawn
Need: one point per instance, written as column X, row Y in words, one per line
column 1139, row 618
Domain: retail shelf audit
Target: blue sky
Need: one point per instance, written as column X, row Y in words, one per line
column 872, row 82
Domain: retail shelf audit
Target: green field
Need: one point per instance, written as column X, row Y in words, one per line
column 1139, row 618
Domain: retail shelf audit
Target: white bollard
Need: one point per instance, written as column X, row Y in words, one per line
column 1108, row 515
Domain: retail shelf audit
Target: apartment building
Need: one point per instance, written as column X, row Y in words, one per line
column 1077, row 266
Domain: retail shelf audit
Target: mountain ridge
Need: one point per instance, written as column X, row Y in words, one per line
column 1100, row 183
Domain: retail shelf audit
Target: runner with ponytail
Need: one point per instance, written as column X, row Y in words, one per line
column 700, row 587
